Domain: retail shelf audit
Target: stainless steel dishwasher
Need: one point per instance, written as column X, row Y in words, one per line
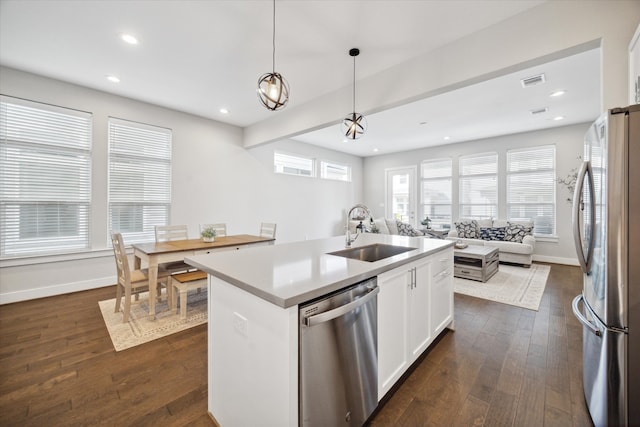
column 339, row 357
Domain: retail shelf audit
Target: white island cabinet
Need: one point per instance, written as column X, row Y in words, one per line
column 415, row 304
column 253, row 333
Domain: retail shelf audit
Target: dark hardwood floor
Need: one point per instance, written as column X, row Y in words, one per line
column 503, row 366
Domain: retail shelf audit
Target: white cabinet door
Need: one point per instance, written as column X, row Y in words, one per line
column 441, row 298
column 392, row 327
column 419, row 301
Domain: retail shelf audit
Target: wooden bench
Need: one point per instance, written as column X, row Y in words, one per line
column 183, row 283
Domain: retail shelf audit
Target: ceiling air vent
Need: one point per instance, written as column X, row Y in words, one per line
column 539, row 110
column 533, row 80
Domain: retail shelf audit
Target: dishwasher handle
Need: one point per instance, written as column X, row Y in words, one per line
column 339, row 311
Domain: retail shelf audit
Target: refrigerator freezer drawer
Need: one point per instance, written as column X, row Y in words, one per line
column 604, row 370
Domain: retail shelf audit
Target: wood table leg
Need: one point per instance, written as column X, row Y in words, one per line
column 153, row 283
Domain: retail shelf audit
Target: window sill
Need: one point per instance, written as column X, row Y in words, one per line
column 50, row 258
column 547, row 239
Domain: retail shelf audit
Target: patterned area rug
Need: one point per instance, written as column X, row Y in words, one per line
column 139, row 329
column 519, row 286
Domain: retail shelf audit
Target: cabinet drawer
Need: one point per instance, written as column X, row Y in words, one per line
column 471, row 273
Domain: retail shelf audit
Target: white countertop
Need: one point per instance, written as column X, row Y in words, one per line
column 291, row 273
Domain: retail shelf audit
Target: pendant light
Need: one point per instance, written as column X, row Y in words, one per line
column 273, row 89
column 354, row 125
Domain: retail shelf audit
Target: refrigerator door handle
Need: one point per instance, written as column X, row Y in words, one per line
column 576, row 311
column 584, row 259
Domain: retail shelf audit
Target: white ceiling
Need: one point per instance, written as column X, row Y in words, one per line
column 200, row 56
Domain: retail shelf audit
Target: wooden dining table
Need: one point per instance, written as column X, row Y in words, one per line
column 155, row 253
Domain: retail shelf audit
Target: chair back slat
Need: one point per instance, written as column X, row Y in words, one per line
column 221, row 228
column 166, row 233
column 122, row 262
column 268, row 229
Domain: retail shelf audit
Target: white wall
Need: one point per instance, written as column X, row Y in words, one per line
column 553, row 30
column 568, row 141
column 214, row 179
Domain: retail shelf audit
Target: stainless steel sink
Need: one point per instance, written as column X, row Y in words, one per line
column 371, row 253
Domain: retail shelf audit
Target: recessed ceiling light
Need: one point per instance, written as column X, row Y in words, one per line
column 446, row 138
column 557, row 93
column 224, row 111
column 539, row 110
column 375, row 150
column 558, row 118
column 128, row 38
column 113, row 79
column 344, row 140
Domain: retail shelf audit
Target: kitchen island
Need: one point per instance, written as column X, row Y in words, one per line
column 254, row 296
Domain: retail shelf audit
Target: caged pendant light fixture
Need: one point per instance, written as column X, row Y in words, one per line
column 273, row 89
column 354, row 125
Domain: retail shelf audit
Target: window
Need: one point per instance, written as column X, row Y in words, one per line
column 292, row 165
column 337, row 171
column 479, row 186
column 436, row 192
column 45, row 178
column 139, row 179
column 531, row 185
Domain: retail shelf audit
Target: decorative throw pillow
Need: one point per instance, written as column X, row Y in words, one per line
column 516, row 232
column 492, row 233
column 468, row 229
column 405, row 229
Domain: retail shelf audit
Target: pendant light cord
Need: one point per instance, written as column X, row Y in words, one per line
column 354, row 84
column 273, row 41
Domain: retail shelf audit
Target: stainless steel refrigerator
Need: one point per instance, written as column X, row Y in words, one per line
column 606, row 215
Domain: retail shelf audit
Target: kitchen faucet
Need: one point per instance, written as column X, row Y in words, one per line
column 348, row 240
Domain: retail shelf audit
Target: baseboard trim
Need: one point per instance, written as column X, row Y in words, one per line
column 48, row 291
column 556, row 260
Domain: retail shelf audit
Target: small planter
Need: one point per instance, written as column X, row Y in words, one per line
column 208, row 234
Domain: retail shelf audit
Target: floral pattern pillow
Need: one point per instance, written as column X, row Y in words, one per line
column 492, row 233
column 405, row 229
column 468, row 229
column 516, row 232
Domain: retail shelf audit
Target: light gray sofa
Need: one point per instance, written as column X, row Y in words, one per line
column 386, row 226
column 519, row 253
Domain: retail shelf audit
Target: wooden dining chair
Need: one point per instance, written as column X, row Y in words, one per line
column 131, row 282
column 167, row 233
column 221, row 228
column 268, row 229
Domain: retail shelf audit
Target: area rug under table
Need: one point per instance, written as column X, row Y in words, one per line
column 513, row 285
column 139, row 329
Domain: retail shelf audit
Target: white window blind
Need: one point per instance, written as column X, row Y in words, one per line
column 531, row 187
column 291, row 164
column 478, row 186
column 337, row 171
column 139, row 179
column 45, row 178
column 436, row 192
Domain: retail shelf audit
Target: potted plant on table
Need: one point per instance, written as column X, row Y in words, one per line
column 426, row 222
column 208, row 234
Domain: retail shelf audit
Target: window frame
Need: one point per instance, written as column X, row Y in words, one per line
column 155, row 207
column 441, row 178
column 311, row 160
column 529, row 172
column 45, row 140
column 323, row 173
column 474, row 176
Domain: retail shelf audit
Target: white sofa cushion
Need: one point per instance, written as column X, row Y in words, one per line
column 381, row 223
column 512, row 247
column 391, row 226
